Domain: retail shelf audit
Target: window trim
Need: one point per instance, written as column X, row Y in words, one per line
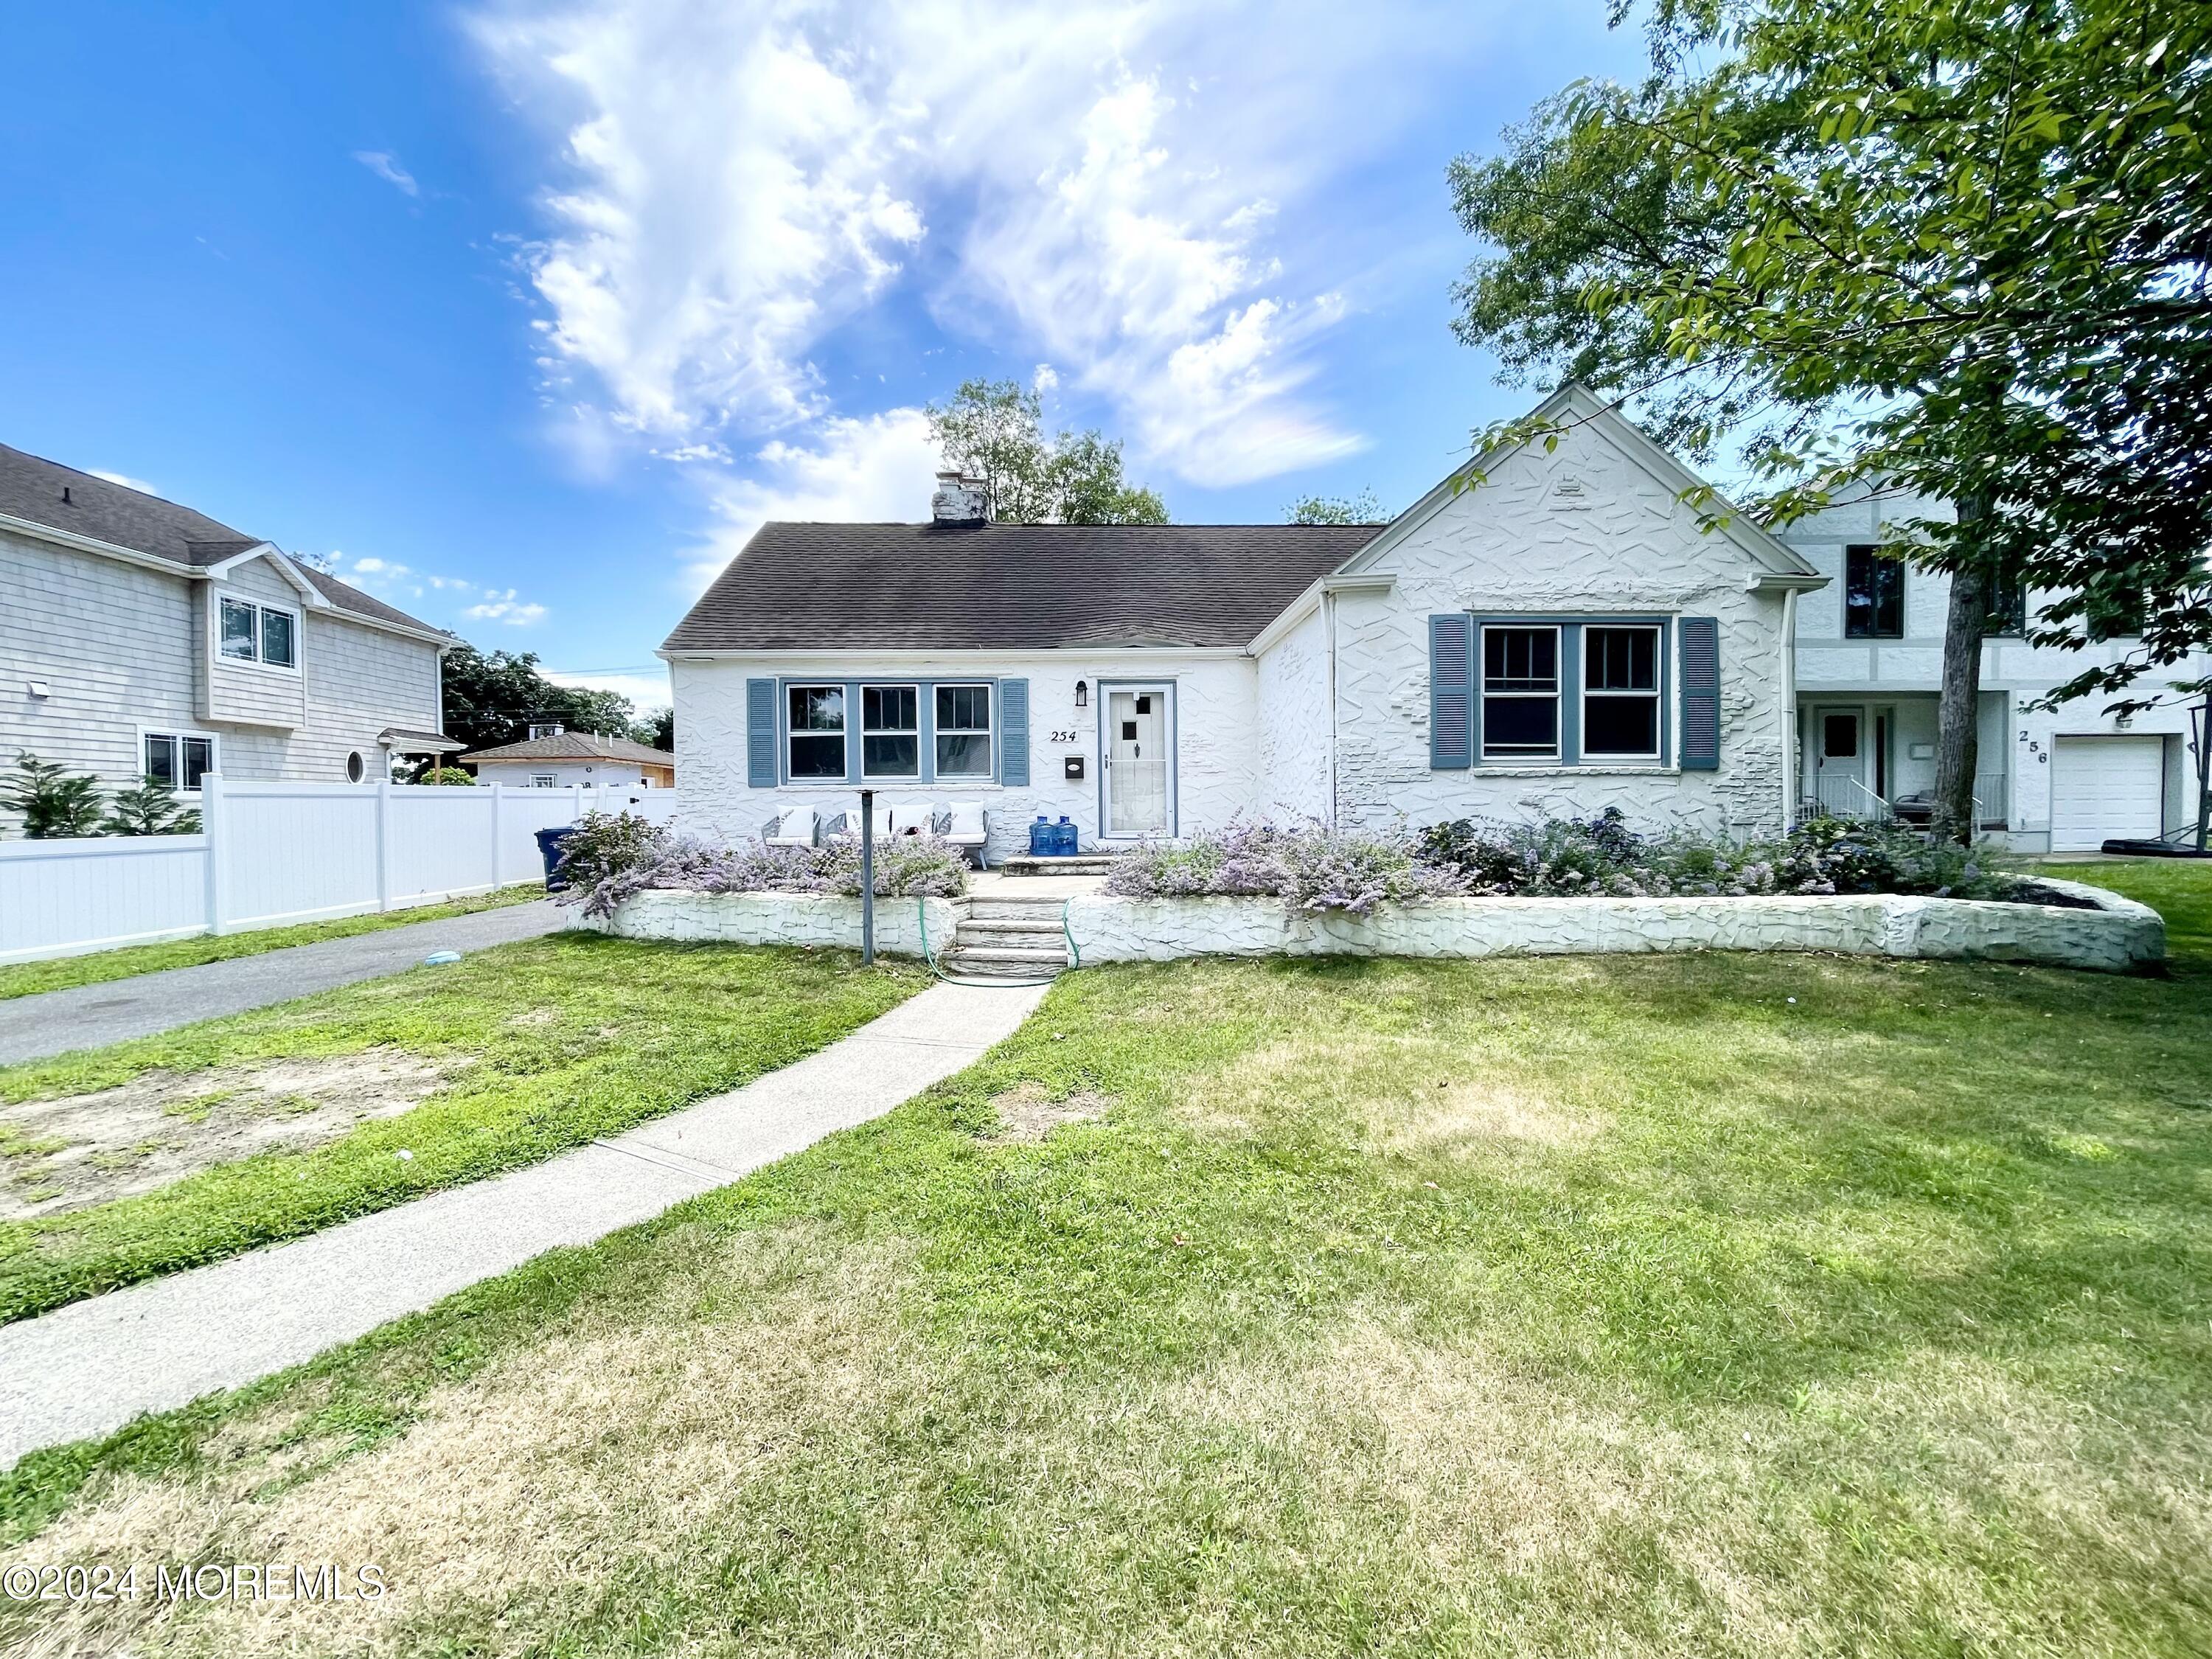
column 915, row 731
column 925, row 687
column 1570, row 755
column 788, row 734
column 1872, row 550
column 1657, row 694
column 988, row 731
column 178, row 735
column 544, row 780
column 257, row 611
column 1557, row 755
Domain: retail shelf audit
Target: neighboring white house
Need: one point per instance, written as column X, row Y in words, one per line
column 557, row 758
column 1869, row 669
column 145, row 639
column 1562, row 638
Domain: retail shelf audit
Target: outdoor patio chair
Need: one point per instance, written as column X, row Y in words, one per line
column 967, row 826
column 913, row 818
column 795, row 826
column 848, row 823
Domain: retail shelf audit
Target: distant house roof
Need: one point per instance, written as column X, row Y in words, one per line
column 932, row 586
column 576, row 746
column 31, row 488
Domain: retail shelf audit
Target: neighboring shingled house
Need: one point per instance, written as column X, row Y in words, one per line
column 1562, row 638
column 558, row 759
column 145, row 639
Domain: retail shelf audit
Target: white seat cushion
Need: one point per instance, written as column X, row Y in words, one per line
column 797, row 824
column 967, row 821
column 915, row 818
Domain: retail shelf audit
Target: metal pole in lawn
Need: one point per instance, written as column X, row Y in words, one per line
column 867, row 875
column 2203, row 722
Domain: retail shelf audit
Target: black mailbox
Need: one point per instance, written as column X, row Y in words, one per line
column 1073, row 768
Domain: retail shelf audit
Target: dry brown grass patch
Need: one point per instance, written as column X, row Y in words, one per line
column 73, row 1150
column 1028, row 1114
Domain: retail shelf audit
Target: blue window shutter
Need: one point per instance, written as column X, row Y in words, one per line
column 760, row 733
column 1701, row 694
column 1451, row 690
column 1014, row 736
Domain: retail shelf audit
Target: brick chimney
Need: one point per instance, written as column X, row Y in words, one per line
column 959, row 500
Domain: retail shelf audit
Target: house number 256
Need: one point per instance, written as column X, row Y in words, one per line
column 1063, row 737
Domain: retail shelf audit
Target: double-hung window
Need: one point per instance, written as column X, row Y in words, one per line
column 260, row 633
column 1520, row 693
column 1874, row 594
column 963, row 731
column 177, row 760
column 1621, row 693
column 890, row 731
column 818, row 731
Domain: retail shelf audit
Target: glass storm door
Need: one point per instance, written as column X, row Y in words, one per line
column 1139, row 776
column 1840, row 761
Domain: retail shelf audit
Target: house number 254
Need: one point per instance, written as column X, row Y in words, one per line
column 1063, row 737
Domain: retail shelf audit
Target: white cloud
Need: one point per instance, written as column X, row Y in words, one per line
column 877, row 469
column 125, row 480
column 506, row 608
column 386, row 166
column 737, row 182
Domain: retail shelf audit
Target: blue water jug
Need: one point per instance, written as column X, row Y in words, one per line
column 1064, row 838
column 1040, row 837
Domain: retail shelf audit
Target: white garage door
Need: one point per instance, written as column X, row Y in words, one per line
column 2102, row 787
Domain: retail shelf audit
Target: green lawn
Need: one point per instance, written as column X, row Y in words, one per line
column 1702, row 1305
column 23, row 979
column 545, row 1044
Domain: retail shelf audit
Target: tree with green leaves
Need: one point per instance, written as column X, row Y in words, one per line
column 993, row 430
column 1363, row 509
column 56, row 804
column 149, row 809
column 1954, row 249
column 492, row 698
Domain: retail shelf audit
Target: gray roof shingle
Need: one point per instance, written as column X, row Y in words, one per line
column 31, row 488
column 1012, row 587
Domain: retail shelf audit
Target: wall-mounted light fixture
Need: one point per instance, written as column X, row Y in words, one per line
column 1082, row 694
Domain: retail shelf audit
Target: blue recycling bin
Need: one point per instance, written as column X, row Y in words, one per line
column 548, row 849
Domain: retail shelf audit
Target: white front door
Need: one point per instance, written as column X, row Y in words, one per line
column 1840, row 762
column 1139, row 749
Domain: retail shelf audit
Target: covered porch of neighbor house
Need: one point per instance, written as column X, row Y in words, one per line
column 1872, row 754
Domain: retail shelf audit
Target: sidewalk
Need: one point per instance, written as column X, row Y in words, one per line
column 89, row 1368
column 117, row 1010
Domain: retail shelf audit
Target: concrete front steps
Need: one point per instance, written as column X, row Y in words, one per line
column 1008, row 939
column 1076, row 864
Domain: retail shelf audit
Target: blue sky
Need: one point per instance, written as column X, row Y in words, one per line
column 526, row 315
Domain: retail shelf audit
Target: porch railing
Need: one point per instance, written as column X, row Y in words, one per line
column 1842, row 796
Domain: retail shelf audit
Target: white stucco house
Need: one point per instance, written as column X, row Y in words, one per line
column 1562, row 638
column 1869, row 669
column 147, row 640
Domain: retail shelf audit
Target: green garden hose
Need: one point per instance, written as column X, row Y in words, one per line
column 921, row 919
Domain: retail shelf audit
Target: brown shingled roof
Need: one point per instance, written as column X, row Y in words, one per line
column 31, row 488
column 575, row 746
column 930, row 586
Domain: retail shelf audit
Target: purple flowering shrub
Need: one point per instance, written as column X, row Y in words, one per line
column 1306, row 866
column 1312, row 868
column 906, row 867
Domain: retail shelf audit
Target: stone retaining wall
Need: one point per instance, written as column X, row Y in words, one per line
column 807, row 919
column 2118, row 937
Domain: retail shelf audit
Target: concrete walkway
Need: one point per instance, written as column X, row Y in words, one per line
column 89, row 1368
column 88, row 1016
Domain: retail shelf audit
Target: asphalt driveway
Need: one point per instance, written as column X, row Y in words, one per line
column 88, row 1016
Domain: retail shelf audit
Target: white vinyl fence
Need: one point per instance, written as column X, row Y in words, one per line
column 270, row 854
